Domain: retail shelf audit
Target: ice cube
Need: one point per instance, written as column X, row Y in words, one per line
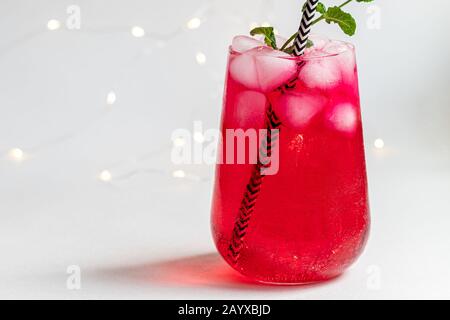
column 279, row 39
column 348, row 66
column 245, row 43
column 344, row 118
column 243, row 70
column 263, row 69
column 319, row 41
column 250, row 109
column 345, row 55
column 322, row 73
column 335, row 47
column 317, row 50
column 274, row 68
column 347, row 62
column 296, row 110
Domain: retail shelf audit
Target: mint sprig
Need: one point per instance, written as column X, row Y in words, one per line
column 345, row 20
column 268, row 33
column 330, row 15
column 321, row 8
column 336, row 15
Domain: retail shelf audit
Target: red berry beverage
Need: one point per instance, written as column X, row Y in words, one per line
column 309, row 220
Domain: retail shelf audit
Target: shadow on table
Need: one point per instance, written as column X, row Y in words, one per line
column 204, row 270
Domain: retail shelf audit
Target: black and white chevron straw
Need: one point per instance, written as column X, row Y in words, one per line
column 253, row 188
column 305, row 27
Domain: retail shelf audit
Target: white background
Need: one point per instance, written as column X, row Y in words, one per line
column 146, row 234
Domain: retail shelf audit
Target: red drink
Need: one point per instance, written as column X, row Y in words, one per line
column 310, row 220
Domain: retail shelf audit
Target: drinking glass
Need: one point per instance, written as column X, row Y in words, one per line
column 307, row 220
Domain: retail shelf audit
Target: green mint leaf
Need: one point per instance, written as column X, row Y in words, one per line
column 321, row 8
column 334, row 14
column 309, row 44
column 269, row 35
column 345, row 20
column 289, row 50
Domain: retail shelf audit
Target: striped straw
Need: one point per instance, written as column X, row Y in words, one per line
column 305, row 27
column 254, row 186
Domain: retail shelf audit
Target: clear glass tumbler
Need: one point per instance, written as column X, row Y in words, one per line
column 309, row 220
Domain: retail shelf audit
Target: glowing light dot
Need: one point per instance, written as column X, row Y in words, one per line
column 178, row 174
column 198, row 136
column 137, row 32
column 194, row 23
column 179, row 142
column 105, row 176
column 111, row 98
column 379, row 143
column 201, row 58
column 53, row 25
column 16, row 154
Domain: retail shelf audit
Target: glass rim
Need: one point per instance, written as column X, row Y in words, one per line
column 349, row 46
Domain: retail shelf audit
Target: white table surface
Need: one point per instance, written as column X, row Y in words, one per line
column 145, row 234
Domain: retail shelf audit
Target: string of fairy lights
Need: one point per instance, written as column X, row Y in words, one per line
column 18, row 154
